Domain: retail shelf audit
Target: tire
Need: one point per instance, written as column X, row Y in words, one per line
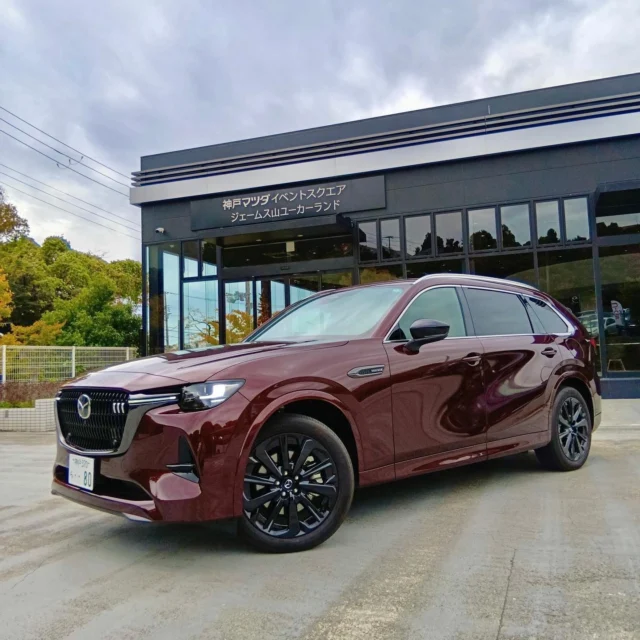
column 282, row 512
column 571, row 430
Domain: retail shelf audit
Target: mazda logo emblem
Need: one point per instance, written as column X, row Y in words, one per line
column 84, row 406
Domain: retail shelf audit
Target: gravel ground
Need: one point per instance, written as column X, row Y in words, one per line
column 496, row 550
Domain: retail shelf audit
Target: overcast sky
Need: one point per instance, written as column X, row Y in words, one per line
column 118, row 79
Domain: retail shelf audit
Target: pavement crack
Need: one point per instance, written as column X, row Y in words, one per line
column 506, row 594
column 29, row 573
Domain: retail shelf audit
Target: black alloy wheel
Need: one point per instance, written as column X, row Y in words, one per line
column 570, row 433
column 298, row 485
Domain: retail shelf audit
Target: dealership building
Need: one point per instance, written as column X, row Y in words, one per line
column 541, row 187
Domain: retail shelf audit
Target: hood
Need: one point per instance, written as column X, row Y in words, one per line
column 188, row 366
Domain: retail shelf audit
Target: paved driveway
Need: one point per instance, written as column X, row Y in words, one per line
column 496, row 550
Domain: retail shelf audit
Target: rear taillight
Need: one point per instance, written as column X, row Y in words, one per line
column 593, row 343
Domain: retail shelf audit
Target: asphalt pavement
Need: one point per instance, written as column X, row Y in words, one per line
column 496, row 550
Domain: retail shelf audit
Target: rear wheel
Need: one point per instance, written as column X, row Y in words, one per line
column 298, row 485
column 570, row 433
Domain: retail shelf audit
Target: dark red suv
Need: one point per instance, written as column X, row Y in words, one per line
column 346, row 388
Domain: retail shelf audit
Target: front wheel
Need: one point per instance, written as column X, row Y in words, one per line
column 298, row 485
column 570, row 433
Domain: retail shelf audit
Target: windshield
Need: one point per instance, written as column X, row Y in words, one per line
column 347, row 313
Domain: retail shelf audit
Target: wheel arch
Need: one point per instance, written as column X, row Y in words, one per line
column 575, row 382
column 314, row 404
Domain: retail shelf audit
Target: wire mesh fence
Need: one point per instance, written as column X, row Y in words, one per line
column 50, row 364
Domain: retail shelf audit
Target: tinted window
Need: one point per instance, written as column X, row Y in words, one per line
column 495, row 313
column 449, row 232
column 435, row 304
column 548, row 222
column 550, row 320
column 368, row 241
column 417, row 235
column 482, row 229
column 576, row 219
column 390, row 236
column 515, row 226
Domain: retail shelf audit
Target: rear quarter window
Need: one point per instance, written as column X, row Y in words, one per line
column 497, row 313
column 548, row 318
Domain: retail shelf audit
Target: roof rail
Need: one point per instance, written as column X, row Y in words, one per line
column 472, row 277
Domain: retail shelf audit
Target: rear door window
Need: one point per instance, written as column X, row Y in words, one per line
column 496, row 313
column 542, row 313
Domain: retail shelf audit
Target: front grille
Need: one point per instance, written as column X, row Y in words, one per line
column 103, row 429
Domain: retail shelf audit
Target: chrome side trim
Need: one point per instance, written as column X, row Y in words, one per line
column 480, row 278
column 366, row 372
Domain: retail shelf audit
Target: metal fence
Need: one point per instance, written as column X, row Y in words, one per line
column 50, row 364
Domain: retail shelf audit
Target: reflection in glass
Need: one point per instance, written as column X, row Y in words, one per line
column 516, row 231
column 482, row 229
column 620, row 282
column 321, row 248
column 518, row 266
column 576, row 219
column 548, row 222
column 380, row 274
column 190, row 258
column 303, row 286
column 270, row 295
column 449, row 232
column 568, row 276
column 417, row 235
column 368, row 241
column 209, row 260
column 239, row 310
column 390, row 238
column 163, row 264
column 618, row 224
column 201, row 321
column 419, row 269
column 336, row 280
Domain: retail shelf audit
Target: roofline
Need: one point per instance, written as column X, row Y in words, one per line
column 466, row 276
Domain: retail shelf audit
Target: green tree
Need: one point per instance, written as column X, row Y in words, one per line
column 95, row 318
column 53, row 247
column 34, row 288
column 12, row 226
column 127, row 277
column 5, row 297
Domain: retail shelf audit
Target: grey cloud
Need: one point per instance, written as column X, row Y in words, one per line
column 121, row 79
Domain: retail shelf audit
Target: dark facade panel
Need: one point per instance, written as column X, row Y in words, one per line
column 448, row 113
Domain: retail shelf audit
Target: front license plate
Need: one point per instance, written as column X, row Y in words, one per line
column 81, row 471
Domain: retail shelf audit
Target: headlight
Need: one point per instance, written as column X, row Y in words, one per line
column 205, row 395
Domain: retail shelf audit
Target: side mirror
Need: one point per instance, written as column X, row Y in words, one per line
column 424, row 332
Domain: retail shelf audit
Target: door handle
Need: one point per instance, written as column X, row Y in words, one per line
column 473, row 359
column 549, row 352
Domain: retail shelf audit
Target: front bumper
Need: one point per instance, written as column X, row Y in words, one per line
column 137, row 484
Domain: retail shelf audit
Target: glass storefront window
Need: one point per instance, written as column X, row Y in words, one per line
column 548, row 222
column 163, row 278
column 336, row 280
column 620, row 288
column 239, row 310
column 618, row 225
column 190, row 258
column 390, row 238
column 512, row 266
column 576, row 219
column 368, row 241
column 201, row 324
column 380, row 274
column 320, row 248
column 209, row 259
column 482, row 229
column 419, row 269
column 417, row 236
column 303, row 286
column 516, row 231
column 449, row 232
column 568, row 276
column 271, row 296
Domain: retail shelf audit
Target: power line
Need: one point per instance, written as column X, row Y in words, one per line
column 63, row 166
column 63, row 192
column 64, row 143
column 71, row 203
column 70, row 212
column 66, row 155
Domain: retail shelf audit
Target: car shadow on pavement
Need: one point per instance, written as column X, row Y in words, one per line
column 221, row 537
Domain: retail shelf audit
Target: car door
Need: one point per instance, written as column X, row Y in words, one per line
column 518, row 362
column 437, row 393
